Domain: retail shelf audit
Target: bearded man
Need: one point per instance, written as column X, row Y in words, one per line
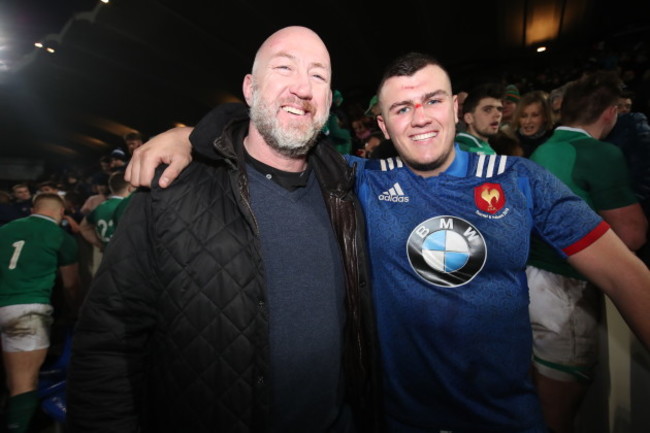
column 237, row 298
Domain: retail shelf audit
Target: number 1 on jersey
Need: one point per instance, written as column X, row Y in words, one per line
column 18, row 247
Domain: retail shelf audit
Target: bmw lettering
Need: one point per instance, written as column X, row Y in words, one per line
column 446, row 251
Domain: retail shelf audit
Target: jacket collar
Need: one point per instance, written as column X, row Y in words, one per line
column 332, row 171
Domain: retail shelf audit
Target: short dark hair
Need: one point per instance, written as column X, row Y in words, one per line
column 628, row 94
column 134, row 135
column 588, row 97
column 407, row 65
column 19, row 185
column 49, row 183
column 482, row 91
column 116, row 182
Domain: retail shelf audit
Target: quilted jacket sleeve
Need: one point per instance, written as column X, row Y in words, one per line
column 105, row 377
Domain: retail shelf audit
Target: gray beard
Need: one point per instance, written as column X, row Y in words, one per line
column 288, row 142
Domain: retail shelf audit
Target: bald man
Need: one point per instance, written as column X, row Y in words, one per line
column 236, row 300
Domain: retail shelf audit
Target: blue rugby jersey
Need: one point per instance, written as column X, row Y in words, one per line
column 448, row 255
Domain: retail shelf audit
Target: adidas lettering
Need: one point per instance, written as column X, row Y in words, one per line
column 394, row 198
column 394, row 194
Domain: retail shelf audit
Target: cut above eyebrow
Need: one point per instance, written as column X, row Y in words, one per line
column 425, row 97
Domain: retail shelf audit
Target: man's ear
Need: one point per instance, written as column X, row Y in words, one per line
column 468, row 118
column 247, row 89
column 382, row 126
column 610, row 113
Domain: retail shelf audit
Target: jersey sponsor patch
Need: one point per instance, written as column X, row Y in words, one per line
column 446, row 251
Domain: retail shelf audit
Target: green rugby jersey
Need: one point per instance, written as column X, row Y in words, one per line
column 596, row 171
column 31, row 251
column 102, row 218
column 120, row 208
column 470, row 143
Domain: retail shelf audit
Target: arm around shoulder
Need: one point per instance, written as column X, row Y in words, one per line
column 171, row 147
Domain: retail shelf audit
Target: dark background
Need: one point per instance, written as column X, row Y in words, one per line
column 148, row 65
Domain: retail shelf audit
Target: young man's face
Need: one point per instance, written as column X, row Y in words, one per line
column 419, row 114
column 509, row 108
column 22, row 194
column 485, row 120
column 624, row 105
column 289, row 90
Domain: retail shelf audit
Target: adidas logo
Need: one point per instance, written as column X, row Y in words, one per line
column 394, row 194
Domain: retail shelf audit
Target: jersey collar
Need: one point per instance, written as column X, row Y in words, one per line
column 458, row 167
column 475, row 139
column 569, row 128
column 45, row 217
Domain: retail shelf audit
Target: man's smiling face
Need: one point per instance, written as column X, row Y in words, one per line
column 419, row 114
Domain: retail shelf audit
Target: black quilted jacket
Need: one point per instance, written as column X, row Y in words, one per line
column 173, row 335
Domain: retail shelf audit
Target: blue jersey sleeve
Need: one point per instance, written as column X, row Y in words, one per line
column 560, row 217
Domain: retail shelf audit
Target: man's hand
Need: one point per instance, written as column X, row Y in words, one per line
column 171, row 147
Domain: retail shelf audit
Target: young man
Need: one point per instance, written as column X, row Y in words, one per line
column 482, row 111
column 511, row 100
column 564, row 308
column 22, row 199
column 238, row 299
column 32, row 251
column 448, row 235
column 624, row 103
column 98, row 226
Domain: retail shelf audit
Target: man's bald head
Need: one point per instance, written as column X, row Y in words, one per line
column 49, row 204
column 289, row 94
column 273, row 45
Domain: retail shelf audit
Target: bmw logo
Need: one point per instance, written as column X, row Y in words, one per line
column 446, row 251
